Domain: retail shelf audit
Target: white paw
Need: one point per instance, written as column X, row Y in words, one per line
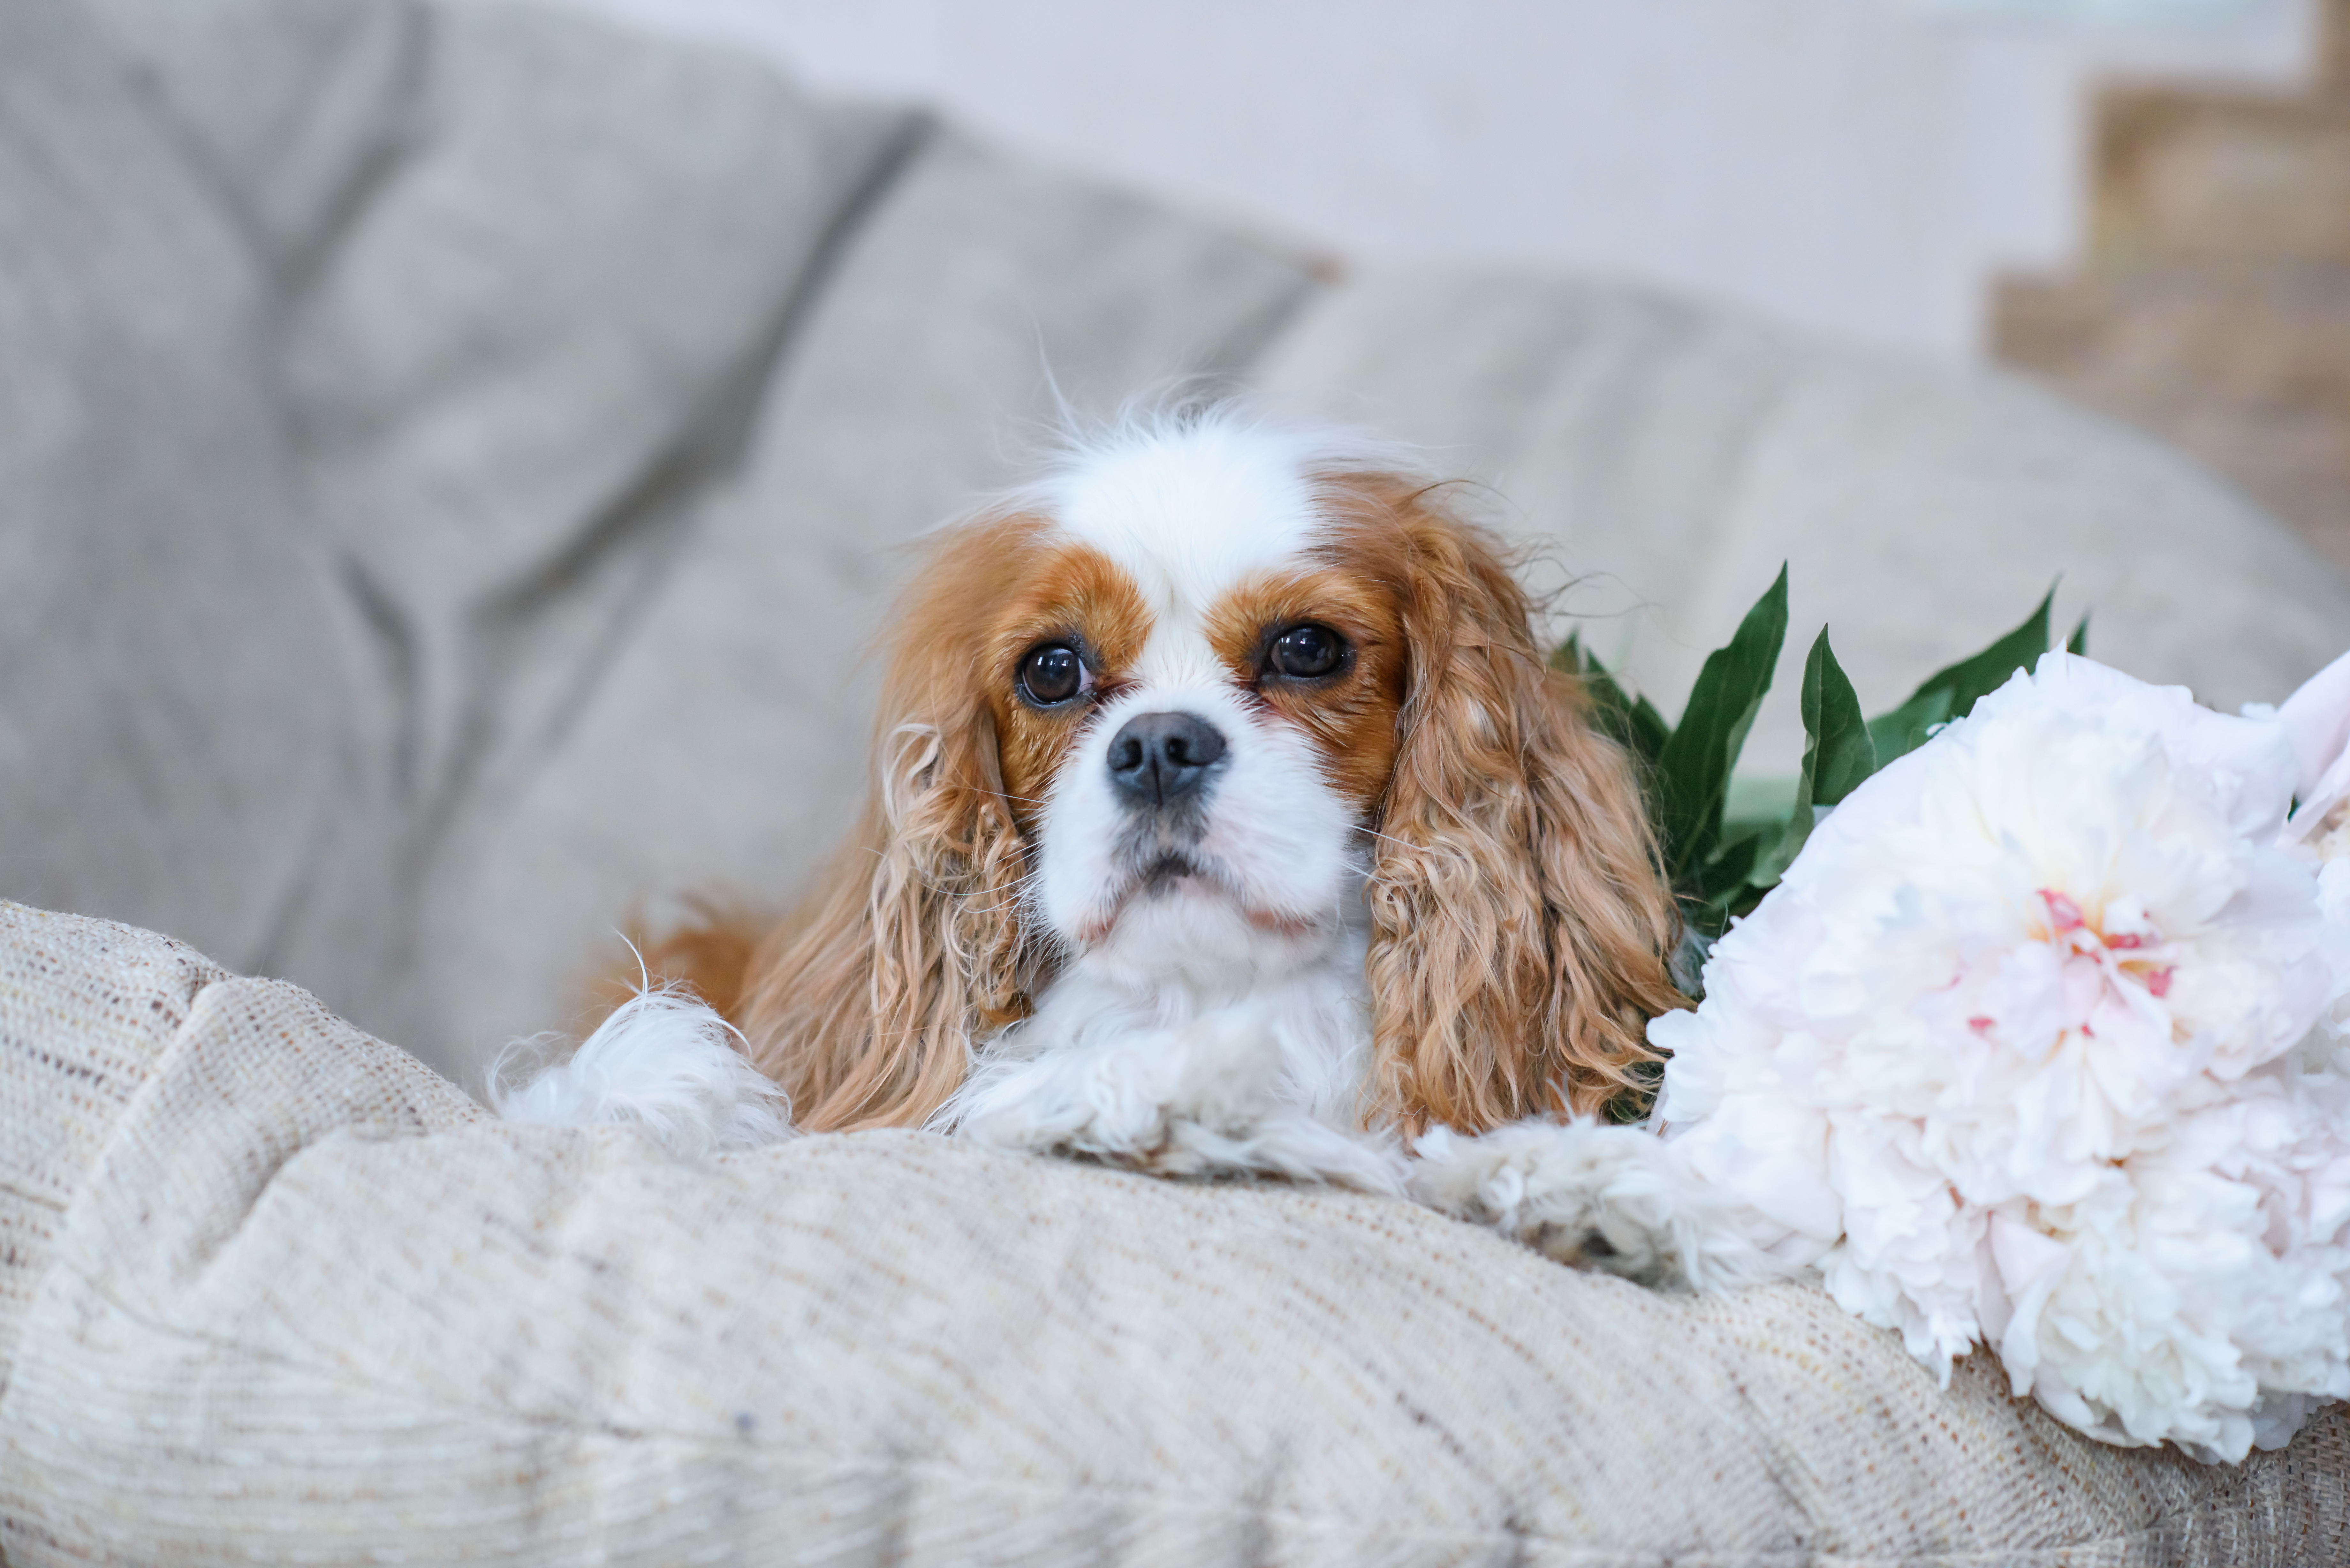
column 1187, row 1102
column 1614, row 1198
column 1111, row 1103
column 1292, row 1146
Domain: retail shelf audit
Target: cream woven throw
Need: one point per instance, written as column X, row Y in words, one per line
column 270, row 1292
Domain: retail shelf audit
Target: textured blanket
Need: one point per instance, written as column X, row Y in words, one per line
column 271, row 1291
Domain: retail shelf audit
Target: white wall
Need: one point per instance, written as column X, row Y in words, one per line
column 1853, row 168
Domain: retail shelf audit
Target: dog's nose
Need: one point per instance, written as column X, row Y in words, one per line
column 1158, row 758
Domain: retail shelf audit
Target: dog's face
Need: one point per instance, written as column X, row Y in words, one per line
column 1213, row 704
column 1195, row 687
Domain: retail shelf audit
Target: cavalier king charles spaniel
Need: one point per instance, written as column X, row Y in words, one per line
column 1228, row 820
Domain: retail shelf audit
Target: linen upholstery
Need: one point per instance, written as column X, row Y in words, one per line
column 457, row 455
column 290, row 1297
column 1684, row 456
column 181, row 722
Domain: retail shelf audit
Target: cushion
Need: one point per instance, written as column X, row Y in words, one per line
column 183, row 718
column 277, row 1293
column 1671, row 459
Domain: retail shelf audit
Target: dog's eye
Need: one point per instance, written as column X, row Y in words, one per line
column 1052, row 674
column 1306, row 651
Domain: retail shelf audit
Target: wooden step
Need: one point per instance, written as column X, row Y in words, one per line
column 2243, row 361
column 2214, row 305
column 2222, row 172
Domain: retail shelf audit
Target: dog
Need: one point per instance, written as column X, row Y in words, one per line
column 1228, row 821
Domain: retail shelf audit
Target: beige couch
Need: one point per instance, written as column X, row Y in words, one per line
column 271, row 1293
column 451, row 461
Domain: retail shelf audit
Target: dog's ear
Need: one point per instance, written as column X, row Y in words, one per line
column 1521, row 924
column 863, row 1005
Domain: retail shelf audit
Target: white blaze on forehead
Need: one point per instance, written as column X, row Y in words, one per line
column 1188, row 513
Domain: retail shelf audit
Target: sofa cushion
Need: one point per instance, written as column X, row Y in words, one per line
column 1672, row 460
column 510, row 286
column 304, row 1305
column 86, row 1008
column 184, row 724
column 288, row 107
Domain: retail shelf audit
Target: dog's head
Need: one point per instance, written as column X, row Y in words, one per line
column 1211, row 704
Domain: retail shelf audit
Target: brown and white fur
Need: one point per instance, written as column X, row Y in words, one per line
column 1217, row 909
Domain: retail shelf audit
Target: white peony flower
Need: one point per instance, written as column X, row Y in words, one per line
column 2034, row 1047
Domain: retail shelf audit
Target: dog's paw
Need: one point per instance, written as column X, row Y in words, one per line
column 1103, row 1103
column 1612, row 1199
column 1180, row 1103
column 1291, row 1146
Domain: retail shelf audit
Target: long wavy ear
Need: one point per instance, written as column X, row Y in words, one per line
column 863, row 1004
column 1521, row 925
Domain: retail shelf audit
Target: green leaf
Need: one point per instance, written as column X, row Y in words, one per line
column 1694, row 763
column 1723, row 885
column 1732, row 861
column 2079, row 641
column 1989, row 670
column 1950, row 693
column 1903, row 730
column 1837, row 756
column 1837, row 752
column 1721, row 869
column 1632, row 723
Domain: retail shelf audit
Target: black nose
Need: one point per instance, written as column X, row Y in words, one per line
column 1160, row 757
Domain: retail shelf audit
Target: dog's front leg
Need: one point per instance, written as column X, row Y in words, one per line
column 1613, row 1198
column 1200, row 1099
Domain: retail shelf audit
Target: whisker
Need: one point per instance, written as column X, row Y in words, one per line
column 936, row 886
column 1013, row 903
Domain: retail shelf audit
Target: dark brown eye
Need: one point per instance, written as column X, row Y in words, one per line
column 1306, row 651
column 1052, row 674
